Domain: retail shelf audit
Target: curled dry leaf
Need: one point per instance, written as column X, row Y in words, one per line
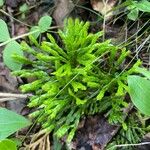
column 103, row 7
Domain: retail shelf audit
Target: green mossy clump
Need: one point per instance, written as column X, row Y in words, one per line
column 80, row 77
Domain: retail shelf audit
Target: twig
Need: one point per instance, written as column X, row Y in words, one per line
column 126, row 145
column 7, row 99
column 18, row 37
column 12, row 95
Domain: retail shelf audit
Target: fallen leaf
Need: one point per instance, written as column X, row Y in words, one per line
column 104, row 8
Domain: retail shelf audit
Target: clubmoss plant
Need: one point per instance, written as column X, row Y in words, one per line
column 135, row 131
column 83, row 76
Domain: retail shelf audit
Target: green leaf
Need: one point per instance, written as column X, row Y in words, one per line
column 62, row 130
column 44, row 23
column 10, row 122
column 11, row 49
column 133, row 15
column 8, row 145
column 24, row 8
column 78, row 100
column 71, row 135
column 144, row 72
column 36, row 34
column 77, row 85
column 139, row 90
column 142, row 5
column 4, row 34
column 1, row 3
column 102, row 92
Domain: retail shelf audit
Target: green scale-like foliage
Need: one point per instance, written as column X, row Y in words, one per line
column 80, row 77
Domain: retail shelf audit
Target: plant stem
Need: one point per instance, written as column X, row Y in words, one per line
column 18, row 37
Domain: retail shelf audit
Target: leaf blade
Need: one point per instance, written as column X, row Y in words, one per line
column 139, row 90
column 10, row 122
column 4, row 33
column 44, row 23
column 11, row 49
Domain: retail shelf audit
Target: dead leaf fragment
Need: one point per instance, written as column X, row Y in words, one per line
column 103, row 7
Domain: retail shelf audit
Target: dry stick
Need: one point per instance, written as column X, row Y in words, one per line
column 8, row 95
column 5, row 13
column 104, row 21
column 48, row 143
column 24, row 35
column 18, row 37
column 11, row 21
column 36, row 143
column 127, row 145
column 7, row 99
column 134, row 34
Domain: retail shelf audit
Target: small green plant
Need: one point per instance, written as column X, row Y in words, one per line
column 13, row 47
column 136, row 6
column 81, row 77
column 23, row 10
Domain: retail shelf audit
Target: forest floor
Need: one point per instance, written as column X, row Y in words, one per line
column 94, row 132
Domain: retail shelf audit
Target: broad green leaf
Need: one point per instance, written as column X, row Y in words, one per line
column 1, row 3
column 142, row 5
column 36, row 34
column 10, row 122
column 4, row 34
column 8, row 145
column 133, row 15
column 139, row 90
column 11, row 49
column 78, row 100
column 44, row 23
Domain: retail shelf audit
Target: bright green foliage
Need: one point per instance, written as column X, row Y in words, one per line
column 10, row 122
column 8, row 145
column 80, row 77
